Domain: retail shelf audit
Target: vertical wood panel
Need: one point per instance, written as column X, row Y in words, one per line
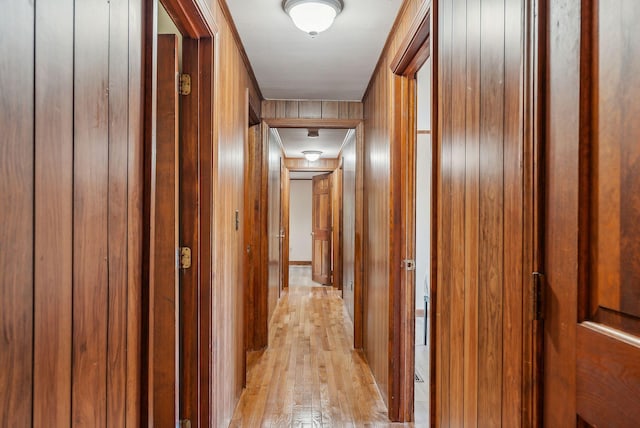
column 513, row 247
column 91, row 180
column 310, row 110
column 16, row 212
column 491, row 214
column 134, row 222
column 472, row 187
column 118, row 212
column 54, row 214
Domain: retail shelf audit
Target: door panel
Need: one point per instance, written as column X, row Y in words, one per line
column 321, row 213
column 592, row 368
column 164, row 235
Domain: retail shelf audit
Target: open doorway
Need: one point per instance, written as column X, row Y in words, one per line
column 423, row 215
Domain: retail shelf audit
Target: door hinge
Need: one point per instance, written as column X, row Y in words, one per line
column 185, row 84
column 185, row 423
column 185, row 257
column 538, row 295
column 409, row 264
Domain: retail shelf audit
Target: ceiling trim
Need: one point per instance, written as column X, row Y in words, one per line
column 313, row 123
column 276, row 135
column 243, row 53
column 387, row 44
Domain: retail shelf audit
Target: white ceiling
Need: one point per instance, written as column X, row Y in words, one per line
column 335, row 65
column 295, row 140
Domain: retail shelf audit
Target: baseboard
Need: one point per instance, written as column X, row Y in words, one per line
column 300, row 263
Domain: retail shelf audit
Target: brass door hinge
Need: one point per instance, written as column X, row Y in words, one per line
column 185, row 84
column 538, row 296
column 185, row 257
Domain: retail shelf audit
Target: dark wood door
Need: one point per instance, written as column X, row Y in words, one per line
column 592, row 236
column 321, row 229
column 164, row 241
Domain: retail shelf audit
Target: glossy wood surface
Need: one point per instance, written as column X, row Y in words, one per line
column 17, row 214
column 231, row 80
column 274, row 210
column 293, row 109
column 71, row 214
column 336, row 238
column 310, row 375
column 592, row 180
column 285, row 213
column 479, row 362
column 348, row 157
column 321, row 221
column 378, row 114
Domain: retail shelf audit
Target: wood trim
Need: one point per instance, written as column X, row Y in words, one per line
column 299, row 164
column 238, row 40
column 300, row 263
column 419, row 313
column 313, row 123
column 192, row 18
column 414, row 49
column 424, row 132
column 359, row 256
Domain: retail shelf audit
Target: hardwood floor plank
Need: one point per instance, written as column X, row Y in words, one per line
column 310, row 375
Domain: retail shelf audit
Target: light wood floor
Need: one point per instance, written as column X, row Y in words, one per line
column 310, row 376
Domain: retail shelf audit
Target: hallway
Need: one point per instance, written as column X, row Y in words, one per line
column 310, row 375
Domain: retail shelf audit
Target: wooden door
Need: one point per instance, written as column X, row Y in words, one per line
column 592, row 366
column 321, row 229
column 164, row 301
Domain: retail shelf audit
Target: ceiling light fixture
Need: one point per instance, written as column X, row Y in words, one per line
column 313, row 133
column 312, row 155
column 312, row 16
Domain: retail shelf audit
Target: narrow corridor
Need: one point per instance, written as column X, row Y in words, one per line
column 310, row 376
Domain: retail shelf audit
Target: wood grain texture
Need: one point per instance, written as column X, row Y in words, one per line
column 91, row 216
column 16, row 213
column 164, row 281
column 73, row 138
column 284, row 225
column 336, row 221
column 301, row 164
column 294, row 109
column 321, row 221
column 274, row 184
column 310, row 375
column 231, row 80
column 54, row 215
column 348, row 157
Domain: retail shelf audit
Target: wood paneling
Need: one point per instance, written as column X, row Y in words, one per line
column 72, row 220
column 285, row 213
column 480, row 219
column 378, row 114
column 53, row 224
column 256, row 319
column 16, row 214
column 231, row 80
column 274, row 183
column 301, row 164
column 348, row 157
column 90, row 216
column 479, row 325
column 336, row 222
column 292, row 109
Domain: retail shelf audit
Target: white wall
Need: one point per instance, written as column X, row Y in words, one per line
column 300, row 221
column 423, row 183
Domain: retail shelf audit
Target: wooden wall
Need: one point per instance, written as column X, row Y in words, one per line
column 348, row 159
column 378, row 114
column 274, row 183
column 480, row 217
column 70, row 213
column 232, row 80
column 294, row 109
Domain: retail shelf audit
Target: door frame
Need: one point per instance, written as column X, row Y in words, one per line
column 295, row 165
column 417, row 46
column 198, row 28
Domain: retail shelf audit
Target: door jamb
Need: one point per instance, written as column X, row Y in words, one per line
column 194, row 21
column 416, row 48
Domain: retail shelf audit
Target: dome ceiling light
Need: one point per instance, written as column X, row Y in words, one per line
column 312, row 16
column 312, row 155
